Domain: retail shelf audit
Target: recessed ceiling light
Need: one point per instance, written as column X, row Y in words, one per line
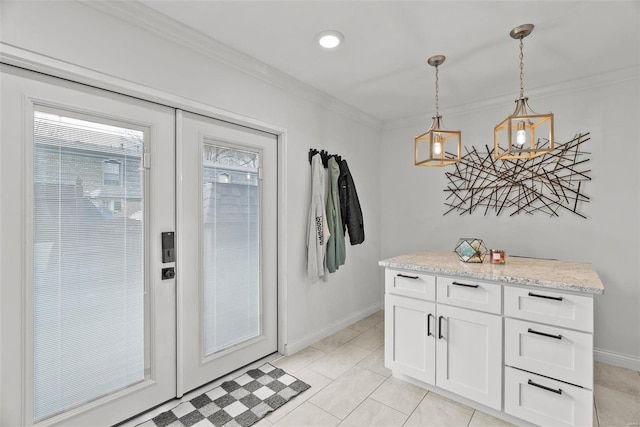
column 330, row 39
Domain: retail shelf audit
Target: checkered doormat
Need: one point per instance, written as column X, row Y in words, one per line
column 237, row 403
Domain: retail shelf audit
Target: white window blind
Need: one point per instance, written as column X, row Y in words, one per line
column 89, row 300
column 231, row 252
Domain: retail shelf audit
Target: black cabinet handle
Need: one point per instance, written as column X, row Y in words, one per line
column 531, row 294
column 531, row 331
column 429, row 325
column 465, row 284
column 440, row 327
column 557, row 391
column 407, row 277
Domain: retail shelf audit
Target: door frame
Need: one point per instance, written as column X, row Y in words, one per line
column 12, row 55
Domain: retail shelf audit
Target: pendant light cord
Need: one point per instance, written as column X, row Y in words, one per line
column 521, row 69
column 437, row 91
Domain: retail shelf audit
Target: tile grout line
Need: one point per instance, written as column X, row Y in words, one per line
column 366, row 397
column 595, row 409
column 392, row 408
column 318, row 390
column 324, row 353
column 326, row 412
column 344, row 373
column 341, row 345
column 471, row 418
column 414, row 409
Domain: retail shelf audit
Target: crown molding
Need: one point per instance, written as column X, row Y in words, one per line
column 34, row 61
column 149, row 19
column 590, row 82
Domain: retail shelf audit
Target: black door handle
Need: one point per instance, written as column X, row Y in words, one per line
column 465, row 284
column 407, row 277
column 440, row 336
column 531, row 331
column 557, row 391
column 429, row 325
column 531, row 294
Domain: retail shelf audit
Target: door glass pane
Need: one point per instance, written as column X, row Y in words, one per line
column 231, row 257
column 89, row 299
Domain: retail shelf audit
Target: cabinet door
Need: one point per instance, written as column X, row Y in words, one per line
column 469, row 354
column 410, row 337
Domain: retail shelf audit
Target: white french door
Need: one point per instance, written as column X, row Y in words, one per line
column 88, row 326
column 227, row 248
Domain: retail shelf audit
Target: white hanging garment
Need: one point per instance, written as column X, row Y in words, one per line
column 317, row 229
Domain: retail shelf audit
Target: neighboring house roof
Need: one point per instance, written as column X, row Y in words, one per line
column 49, row 131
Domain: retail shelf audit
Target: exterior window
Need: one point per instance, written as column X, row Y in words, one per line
column 112, row 173
column 89, row 302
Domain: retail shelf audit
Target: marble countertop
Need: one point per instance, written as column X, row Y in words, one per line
column 574, row 276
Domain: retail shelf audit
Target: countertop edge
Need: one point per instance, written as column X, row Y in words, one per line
column 504, row 279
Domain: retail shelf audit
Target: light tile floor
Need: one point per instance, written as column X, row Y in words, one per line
column 351, row 387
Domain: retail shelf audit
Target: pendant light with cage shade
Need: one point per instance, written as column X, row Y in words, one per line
column 525, row 134
column 437, row 146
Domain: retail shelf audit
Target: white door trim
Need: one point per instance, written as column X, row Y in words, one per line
column 16, row 56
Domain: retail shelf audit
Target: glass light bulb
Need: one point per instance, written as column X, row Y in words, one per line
column 437, row 148
column 521, row 137
column 437, row 144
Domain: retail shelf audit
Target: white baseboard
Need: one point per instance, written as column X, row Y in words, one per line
column 616, row 359
column 294, row 347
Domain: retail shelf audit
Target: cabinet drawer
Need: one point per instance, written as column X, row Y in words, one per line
column 556, row 308
column 411, row 284
column 545, row 402
column 469, row 293
column 555, row 352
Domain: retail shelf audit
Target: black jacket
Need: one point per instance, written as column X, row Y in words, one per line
column 350, row 205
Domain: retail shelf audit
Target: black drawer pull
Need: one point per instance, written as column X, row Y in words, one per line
column 440, row 336
column 531, row 331
column 531, row 294
column 558, row 391
column 429, row 325
column 465, row 284
column 407, row 277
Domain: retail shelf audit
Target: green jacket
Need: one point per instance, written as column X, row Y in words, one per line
column 336, row 253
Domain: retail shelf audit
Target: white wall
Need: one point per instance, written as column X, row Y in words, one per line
column 81, row 35
column 412, row 201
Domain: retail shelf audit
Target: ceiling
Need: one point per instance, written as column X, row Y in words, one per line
column 381, row 70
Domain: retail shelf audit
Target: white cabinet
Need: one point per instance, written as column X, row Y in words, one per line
column 548, row 351
column 454, row 348
column 447, row 332
column 469, row 354
column 410, row 337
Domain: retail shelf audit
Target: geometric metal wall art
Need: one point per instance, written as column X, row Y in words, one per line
column 548, row 184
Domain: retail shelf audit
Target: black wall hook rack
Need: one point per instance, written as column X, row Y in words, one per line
column 324, row 155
